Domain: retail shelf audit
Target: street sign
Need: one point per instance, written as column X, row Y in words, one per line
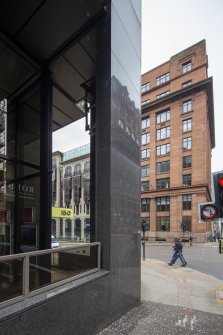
column 213, row 210
column 208, row 212
column 66, row 213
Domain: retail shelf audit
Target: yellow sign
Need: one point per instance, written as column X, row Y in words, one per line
column 66, row 213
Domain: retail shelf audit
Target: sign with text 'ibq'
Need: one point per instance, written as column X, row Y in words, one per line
column 66, row 213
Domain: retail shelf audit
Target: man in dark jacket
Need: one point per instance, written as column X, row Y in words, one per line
column 178, row 252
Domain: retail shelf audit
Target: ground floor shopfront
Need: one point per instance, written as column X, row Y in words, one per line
column 176, row 215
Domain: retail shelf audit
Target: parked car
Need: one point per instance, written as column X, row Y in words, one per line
column 54, row 242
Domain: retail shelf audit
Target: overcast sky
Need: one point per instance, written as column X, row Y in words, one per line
column 168, row 27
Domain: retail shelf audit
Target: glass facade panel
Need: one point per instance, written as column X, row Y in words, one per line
column 77, row 152
column 11, row 273
column 61, row 265
column 27, row 193
column 28, row 129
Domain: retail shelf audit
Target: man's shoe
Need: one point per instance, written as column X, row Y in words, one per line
column 170, row 264
column 184, row 264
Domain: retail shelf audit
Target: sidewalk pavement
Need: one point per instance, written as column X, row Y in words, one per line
column 175, row 300
column 177, row 286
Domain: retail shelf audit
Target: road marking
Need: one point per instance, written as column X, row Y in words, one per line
column 181, row 270
column 203, row 251
column 187, row 322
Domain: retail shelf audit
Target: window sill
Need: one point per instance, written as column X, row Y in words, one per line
column 163, row 84
column 163, row 139
column 164, row 172
column 163, row 155
column 183, row 113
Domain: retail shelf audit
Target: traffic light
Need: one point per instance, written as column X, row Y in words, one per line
column 213, row 210
column 144, row 225
column 217, row 178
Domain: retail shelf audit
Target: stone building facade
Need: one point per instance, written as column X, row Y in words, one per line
column 177, row 139
column 71, row 189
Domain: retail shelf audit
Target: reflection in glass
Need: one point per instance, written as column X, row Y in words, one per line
column 7, row 207
column 11, row 279
column 60, row 265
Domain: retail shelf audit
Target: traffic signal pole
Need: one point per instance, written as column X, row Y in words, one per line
column 143, row 247
column 143, row 227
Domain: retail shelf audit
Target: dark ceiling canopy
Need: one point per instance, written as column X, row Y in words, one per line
column 58, row 33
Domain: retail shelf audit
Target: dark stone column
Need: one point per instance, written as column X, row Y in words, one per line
column 45, row 160
column 117, row 149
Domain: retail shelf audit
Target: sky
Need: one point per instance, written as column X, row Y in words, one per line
column 168, row 27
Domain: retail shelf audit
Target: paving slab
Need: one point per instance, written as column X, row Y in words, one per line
column 175, row 300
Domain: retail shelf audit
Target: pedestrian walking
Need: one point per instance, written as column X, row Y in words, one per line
column 191, row 240
column 178, row 252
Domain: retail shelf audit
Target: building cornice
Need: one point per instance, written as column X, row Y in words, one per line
column 172, row 191
column 206, row 84
column 75, row 159
column 57, row 153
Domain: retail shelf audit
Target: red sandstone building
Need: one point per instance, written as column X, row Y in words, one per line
column 177, row 138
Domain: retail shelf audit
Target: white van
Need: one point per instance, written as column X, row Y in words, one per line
column 54, row 242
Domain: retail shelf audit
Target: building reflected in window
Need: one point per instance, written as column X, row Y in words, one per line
column 72, row 190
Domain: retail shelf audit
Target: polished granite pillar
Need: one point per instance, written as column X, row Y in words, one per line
column 117, row 149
